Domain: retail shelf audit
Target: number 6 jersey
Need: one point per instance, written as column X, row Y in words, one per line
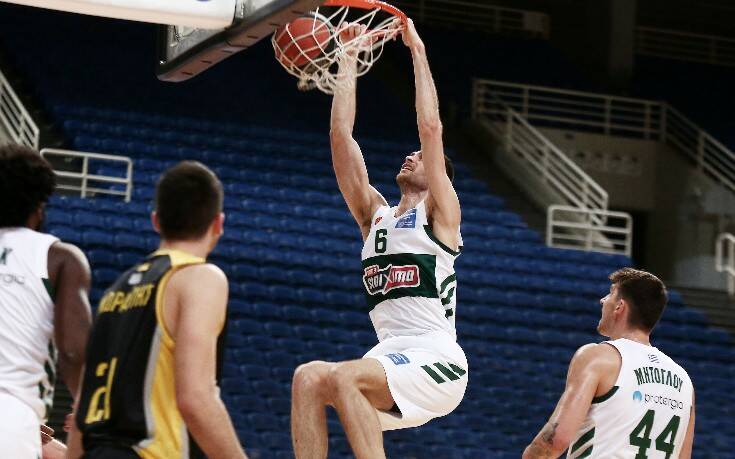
column 408, row 275
column 128, row 395
column 646, row 413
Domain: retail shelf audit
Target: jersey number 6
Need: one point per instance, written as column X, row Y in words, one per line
column 381, row 241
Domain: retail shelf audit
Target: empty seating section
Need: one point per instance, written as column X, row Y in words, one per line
column 291, row 252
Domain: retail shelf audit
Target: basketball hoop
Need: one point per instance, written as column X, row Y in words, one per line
column 310, row 47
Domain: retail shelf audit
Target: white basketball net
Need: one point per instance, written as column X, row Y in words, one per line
column 322, row 71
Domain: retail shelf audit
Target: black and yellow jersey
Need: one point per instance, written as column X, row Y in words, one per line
column 128, row 397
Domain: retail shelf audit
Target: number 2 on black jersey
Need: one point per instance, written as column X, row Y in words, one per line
column 99, row 406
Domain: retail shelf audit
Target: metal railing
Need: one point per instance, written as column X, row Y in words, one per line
column 725, row 259
column 80, row 181
column 15, row 118
column 692, row 47
column 611, row 115
column 709, row 155
column 537, row 154
column 478, row 15
column 580, row 110
column 580, row 219
column 591, row 230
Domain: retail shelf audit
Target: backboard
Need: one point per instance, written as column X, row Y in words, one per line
column 184, row 52
column 204, row 32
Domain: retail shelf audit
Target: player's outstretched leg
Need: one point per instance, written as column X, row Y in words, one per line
column 355, row 389
column 308, row 413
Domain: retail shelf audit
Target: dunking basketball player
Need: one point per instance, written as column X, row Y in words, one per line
column 43, row 306
column 624, row 398
column 149, row 386
column 417, row 372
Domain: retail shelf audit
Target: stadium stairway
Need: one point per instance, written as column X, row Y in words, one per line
column 291, row 252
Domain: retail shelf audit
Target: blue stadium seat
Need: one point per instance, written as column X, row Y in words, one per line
column 94, row 238
column 263, row 422
column 131, row 241
column 278, row 329
column 291, row 252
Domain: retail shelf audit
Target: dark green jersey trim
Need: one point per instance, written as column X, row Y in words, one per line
column 459, row 370
column 583, row 440
column 585, row 453
column 446, row 371
column 443, row 246
column 448, row 298
column 49, row 287
column 4, row 255
column 606, row 396
column 451, row 278
column 438, row 379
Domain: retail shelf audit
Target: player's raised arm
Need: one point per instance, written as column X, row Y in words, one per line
column 443, row 199
column 583, row 378
column 349, row 165
column 201, row 292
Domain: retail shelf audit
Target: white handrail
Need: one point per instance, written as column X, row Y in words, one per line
column 16, row 119
column 478, row 15
column 583, row 221
column 578, row 109
column 85, row 176
column 725, row 259
column 708, row 153
column 612, row 115
column 538, row 155
column 685, row 46
column 574, row 228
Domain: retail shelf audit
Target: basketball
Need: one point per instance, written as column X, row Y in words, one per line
column 303, row 40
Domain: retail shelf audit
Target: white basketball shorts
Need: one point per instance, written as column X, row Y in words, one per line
column 20, row 431
column 427, row 377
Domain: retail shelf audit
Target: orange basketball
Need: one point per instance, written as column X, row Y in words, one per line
column 303, row 39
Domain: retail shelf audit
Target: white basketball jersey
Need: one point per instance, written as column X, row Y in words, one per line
column 646, row 413
column 408, row 275
column 27, row 351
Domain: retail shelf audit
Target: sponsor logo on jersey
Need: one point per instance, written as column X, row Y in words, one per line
column 377, row 220
column 408, row 220
column 120, row 301
column 655, row 375
column 398, row 359
column 4, row 255
column 382, row 281
column 672, row 403
column 135, row 278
